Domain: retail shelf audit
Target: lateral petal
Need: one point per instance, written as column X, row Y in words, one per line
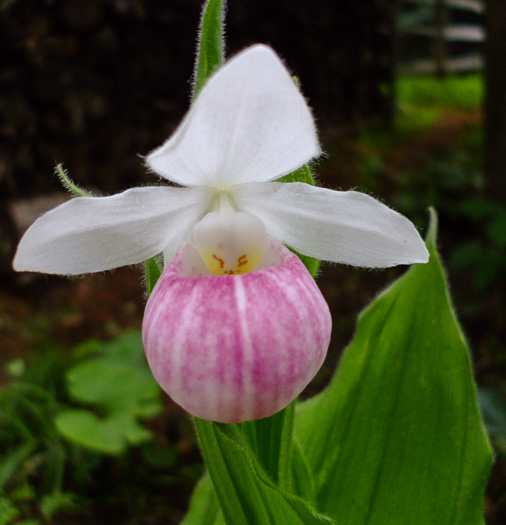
column 91, row 234
column 249, row 124
column 340, row 226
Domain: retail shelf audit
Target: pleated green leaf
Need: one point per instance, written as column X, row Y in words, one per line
column 271, row 440
column 303, row 482
column 245, row 493
column 397, row 437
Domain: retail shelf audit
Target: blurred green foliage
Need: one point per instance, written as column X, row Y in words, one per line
column 452, row 177
column 493, row 407
column 422, row 99
column 485, row 256
column 450, row 92
column 434, row 157
column 34, row 459
column 66, row 417
column 114, row 382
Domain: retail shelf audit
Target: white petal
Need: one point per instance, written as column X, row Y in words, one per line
column 249, row 124
column 341, row 226
column 91, row 234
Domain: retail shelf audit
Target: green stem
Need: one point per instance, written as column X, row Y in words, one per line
column 69, row 184
column 272, row 441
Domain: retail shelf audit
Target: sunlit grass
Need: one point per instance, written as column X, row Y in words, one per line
column 464, row 92
column 421, row 100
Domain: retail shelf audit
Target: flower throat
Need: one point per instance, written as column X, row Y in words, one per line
column 230, row 242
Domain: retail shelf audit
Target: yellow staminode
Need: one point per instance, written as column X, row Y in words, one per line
column 230, row 242
column 219, row 264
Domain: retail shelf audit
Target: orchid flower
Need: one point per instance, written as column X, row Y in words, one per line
column 235, row 327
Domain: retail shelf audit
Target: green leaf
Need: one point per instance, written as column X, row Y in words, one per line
column 303, row 174
column 271, row 439
column 88, row 430
column 56, row 502
column 109, row 435
column 128, row 347
column 210, row 47
column 118, row 386
column 397, row 437
column 56, row 457
column 153, row 269
column 112, row 384
column 303, row 482
column 245, row 493
column 203, row 505
column 8, row 511
column 12, row 462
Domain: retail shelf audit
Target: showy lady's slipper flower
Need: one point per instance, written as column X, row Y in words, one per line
column 235, row 327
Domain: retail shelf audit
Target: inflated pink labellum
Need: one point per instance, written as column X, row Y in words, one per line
column 233, row 348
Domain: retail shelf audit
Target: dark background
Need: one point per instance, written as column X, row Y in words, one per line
column 96, row 84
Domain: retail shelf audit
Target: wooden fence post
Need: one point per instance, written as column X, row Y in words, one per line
column 440, row 45
column 495, row 98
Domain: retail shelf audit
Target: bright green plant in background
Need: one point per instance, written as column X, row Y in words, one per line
column 422, row 99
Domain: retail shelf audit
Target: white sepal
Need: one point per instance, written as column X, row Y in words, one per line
column 249, row 124
column 91, row 234
column 345, row 227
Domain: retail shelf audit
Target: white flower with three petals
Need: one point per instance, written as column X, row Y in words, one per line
column 249, row 126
